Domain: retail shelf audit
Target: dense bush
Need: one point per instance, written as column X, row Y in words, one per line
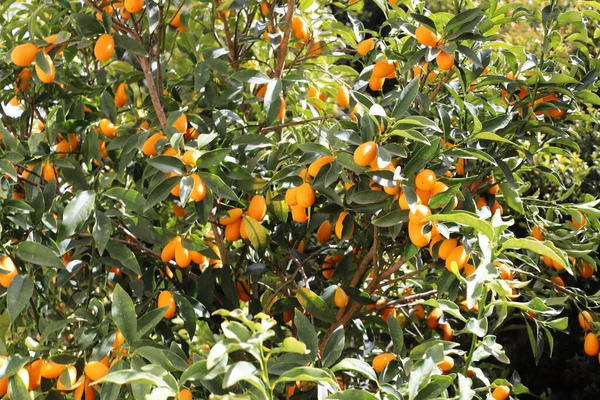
column 246, row 199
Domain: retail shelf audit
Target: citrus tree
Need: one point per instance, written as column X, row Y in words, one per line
column 247, row 199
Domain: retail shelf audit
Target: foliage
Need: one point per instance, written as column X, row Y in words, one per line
column 246, row 199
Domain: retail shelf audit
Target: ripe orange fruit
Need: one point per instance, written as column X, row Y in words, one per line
column 243, row 290
column 495, row 188
column 149, row 147
column 299, row 214
column 190, row 157
column 447, row 364
column 34, row 370
column 340, row 298
column 537, row 233
column 585, row 320
column 445, row 60
column 198, row 257
column 426, row 37
column 587, row 271
column 166, row 299
column 446, row 247
column 105, row 47
column 581, row 222
column 299, row 27
column 388, row 312
column 185, row 394
column 382, row 360
column 181, row 123
column 49, row 172
column 199, row 189
column 133, row 6
column 416, row 234
column 505, row 271
column 458, row 255
column 501, row 392
column 448, row 331
column 343, row 96
column 419, row 311
column 7, row 266
column 365, row 154
column 315, row 166
column 328, row 267
column 383, row 68
column 72, row 374
column 305, row 195
column 376, row 83
column 176, row 21
column 233, row 215
column 324, row 232
column 365, row 46
column 107, row 128
column 168, row 252
column 558, row 281
column 24, row 54
column 281, row 109
column 51, row 370
column 233, row 230
column 121, row 97
column 432, row 318
column 339, row 226
column 118, row 342
column 425, row 180
column 419, row 213
column 43, row 76
column 22, row 82
column 497, row 207
column 183, row 258
column 257, row 208
column 95, row 370
column 460, row 166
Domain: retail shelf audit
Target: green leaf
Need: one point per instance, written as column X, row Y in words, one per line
column 17, row 389
column 102, row 231
column 465, row 218
column 12, row 365
column 76, row 213
column 123, row 313
column 108, row 107
column 544, row 248
column 7, row 168
column 306, row 333
column 167, row 164
column 126, row 257
column 420, row 159
column 161, row 191
column 408, row 95
column 353, row 394
column 356, row 365
column 38, row 254
column 397, row 335
column 216, row 184
column 18, row 296
column 257, row 234
column 490, row 136
column 315, row 305
column 511, row 197
column 308, row 374
column 130, row 45
column 240, row 371
column 42, row 62
column 212, row 158
column 126, row 376
column 419, row 375
column 410, row 134
column 148, row 321
column 251, row 76
column 334, row 347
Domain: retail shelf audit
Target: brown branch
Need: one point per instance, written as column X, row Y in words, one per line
column 219, row 242
column 154, row 96
column 285, row 40
column 364, row 265
column 406, row 299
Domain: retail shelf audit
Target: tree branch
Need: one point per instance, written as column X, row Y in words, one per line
column 285, row 40
column 154, row 95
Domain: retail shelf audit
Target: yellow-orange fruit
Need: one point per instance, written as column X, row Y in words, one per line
column 299, row 27
column 432, row 318
column 181, row 123
column 7, row 265
column 315, row 166
column 425, row 180
column 446, row 247
column 23, row 81
column 587, row 271
column 149, row 147
column 34, row 369
column 105, row 47
column 340, row 298
column 537, row 233
column 505, row 271
column 305, row 195
column 299, row 214
column 107, row 128
column 339, row 225
column 434, row 239
column 382, row 360
column 324, row 232
column 233, row 215
column 185, row 394
column 183, row 257
column 281, row 113
column 365, row 46
column 494, row 189
column 416, row 234
column 501, row 392
column 43, row 76
column 343, row 96
column 419, row 311
column 376, row 82
column 49, row 172
column 419, row 213
column 176, row 21
column 24, row 54
column 166, row 299
column 447, row 364
column 458, row 255
column 121, row 97
column 190, row 157
column 95, row 370
column 448, row 331
column 198, row 257
column 199, row 189
column 51, row 370
column 257, row 208
column 445, row 60
column 426, row 37
column 581, row 222
column 460, row 166
column 384, row 68
column 365, row 154
column 585, row 320
column 243, row 290
column 63, row 147
column 133, row 6
column 232, row 230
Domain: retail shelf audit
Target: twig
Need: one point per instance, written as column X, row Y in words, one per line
column 294, row 123
column 285, row 40
column 364, row 265
column 154, row 96
column 219, row 242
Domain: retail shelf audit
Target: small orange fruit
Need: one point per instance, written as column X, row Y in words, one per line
column 343, row 96
column 447, row 364
column 133, row 6
column 42, row 75
column 305, row 195
column 315, row 166
column 107, row 128
column 233, row 230
column 199, row 189
column 299, row 214
column 537, row 233
column 419, row 311
column 324, row 232
column 233, row 215
column 185, row 394
column 365, row 154
column 585, row 320
column 7, row 266
column 417, row 235
column 166, row 299
column 149, row 147
column 121, row 97
column 501, row 392
column 51, row 370
column 24, row 54
column 384, row 68
column 181, row 123
column 365, row 46
column 299, row 27
column 445, row 60
column 432, row 318
column 376, row 83
column 339, row 225
column 340, row 298
column 426, row 37
column 190, row 157
column 582, row 221
column 257, row 208
column 95, row 370
column 105, row 47
column 458, row 255
column 425, row 180
column 382, row 360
